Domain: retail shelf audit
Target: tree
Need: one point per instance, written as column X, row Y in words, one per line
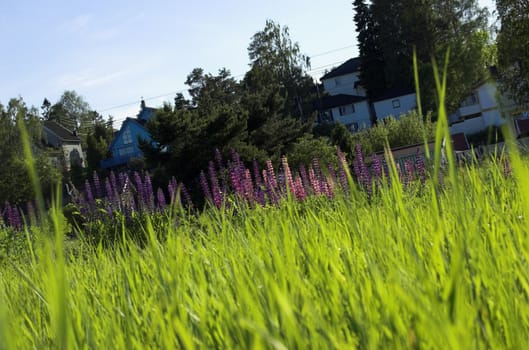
column 513, row 48
column 74, row 113
column 431, row 28
column 372, row 67
column 13, row 173
column 98, row 141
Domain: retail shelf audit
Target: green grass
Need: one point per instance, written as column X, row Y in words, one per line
column 412, row 268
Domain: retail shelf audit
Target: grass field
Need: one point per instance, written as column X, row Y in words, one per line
column 416, row 267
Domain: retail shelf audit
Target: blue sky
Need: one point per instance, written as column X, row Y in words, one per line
column 114, row 52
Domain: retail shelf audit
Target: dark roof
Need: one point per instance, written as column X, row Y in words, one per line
column 60, row 131
column 348, row 67
column 459, row 142
column 339, row 100
column 392, row 93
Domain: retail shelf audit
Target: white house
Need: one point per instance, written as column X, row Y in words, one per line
column 344, row 79
column 481, row 109
column 347, row 100
column 350, row 110
column 65, row 141
column 394, row 103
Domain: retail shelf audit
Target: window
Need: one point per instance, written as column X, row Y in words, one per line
column 326, row 116
column 342, row 110
column 470, row 100
column 396, row 103
column 127, row 137
column 126, row 151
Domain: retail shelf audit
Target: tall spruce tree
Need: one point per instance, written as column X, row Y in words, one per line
column 372, row 68
column 513, row 48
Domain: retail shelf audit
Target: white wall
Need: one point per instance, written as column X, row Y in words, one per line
column 359, row 116
column 469, row 126
column 344, row 84
column 385, row 108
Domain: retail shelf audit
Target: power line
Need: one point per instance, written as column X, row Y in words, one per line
column 317, row 69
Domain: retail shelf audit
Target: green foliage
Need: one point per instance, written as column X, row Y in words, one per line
column 13, row 173
column 97, row 142
column 389, row 31
column 513, row 48
column 423, row 268
column 409, row 129
column 306, row 148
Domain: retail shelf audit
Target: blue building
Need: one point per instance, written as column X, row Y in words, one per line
column 125, row 145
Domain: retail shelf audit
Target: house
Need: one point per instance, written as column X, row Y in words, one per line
column 347, row 102
column 67, row 145
column 125, row 145
column 394, row 103
column 484, row 107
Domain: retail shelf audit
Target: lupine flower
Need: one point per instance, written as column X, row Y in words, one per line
column 218, row 159
column 109, row 191
column 160, row 197
column 299, row 190
column 342, row 175
column 148, row 193
column 205, row 187
column 419, row 165
column 186, row 196
column 271, row 175
column 314, row 182
column 97, row 185
column 216, row 194
column 89, row 194
column 304, row 178
column 376, row 166
column 410, row 172
column 288, row 174
column 507, row 167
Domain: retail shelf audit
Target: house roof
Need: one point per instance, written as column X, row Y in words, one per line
column 350, row 66
column 127, row 120
column 340, row 100
column 60, row 131
column 392, row 93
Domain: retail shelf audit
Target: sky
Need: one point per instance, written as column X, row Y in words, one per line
column 115, row 52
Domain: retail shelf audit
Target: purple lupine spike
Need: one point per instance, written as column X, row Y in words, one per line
column 31, row 211
column 148, row 192
column 410, row 172
column 419, row 165
column 271, row 175
column 376, row 166
column 237, row 178
column 248, row 186
column 342, row 174
column 122, row 180
column 288, row 174
column 304, row 178
column 89, row 193
column 97, row 185
column 186, row 195
column 215, row 189
column 160, row 197
column 138, row 183
column 314, row 182
column 260, row 196
column 205, row 186
column 299, row 190
column 218, row 159
column 172, row 189
column 270, row 190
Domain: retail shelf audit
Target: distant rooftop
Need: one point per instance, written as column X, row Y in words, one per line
column 339, row 100
column 350, row 66
column 61, row 132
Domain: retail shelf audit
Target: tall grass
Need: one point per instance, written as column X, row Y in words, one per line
column 439, row 265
